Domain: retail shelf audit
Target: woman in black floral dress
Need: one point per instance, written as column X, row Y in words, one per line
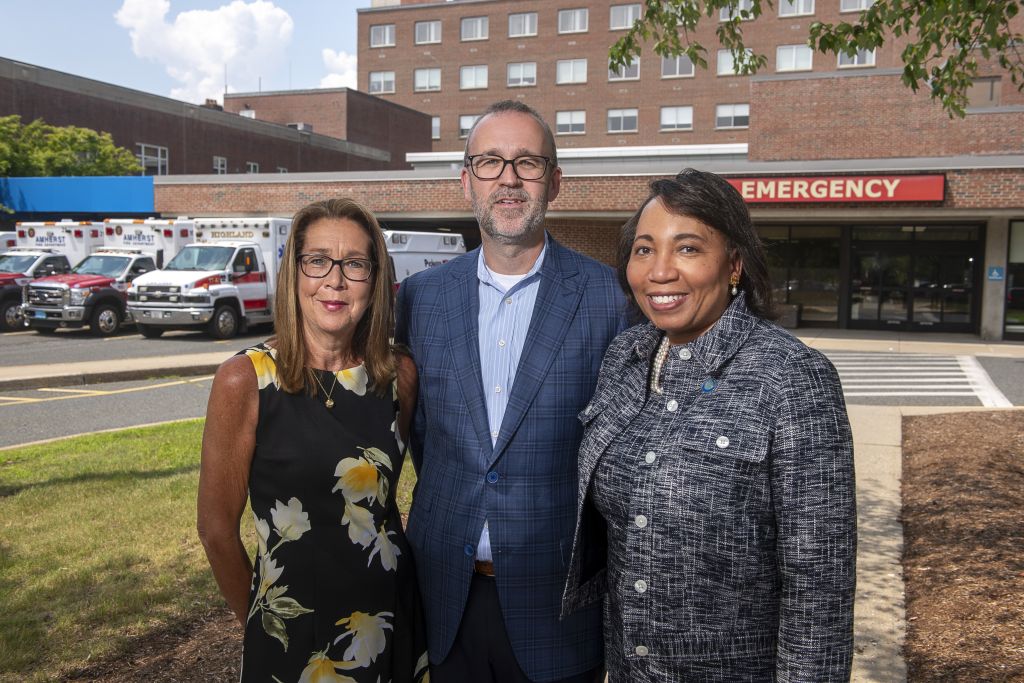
column 309, row 426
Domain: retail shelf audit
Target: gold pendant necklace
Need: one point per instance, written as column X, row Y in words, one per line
column 329, row 402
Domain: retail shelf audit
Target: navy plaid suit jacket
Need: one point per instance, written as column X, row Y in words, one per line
column 530, row 505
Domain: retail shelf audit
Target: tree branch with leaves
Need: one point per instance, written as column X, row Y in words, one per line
column 946, row 41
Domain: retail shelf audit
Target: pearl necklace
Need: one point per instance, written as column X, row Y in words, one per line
column 659, row 361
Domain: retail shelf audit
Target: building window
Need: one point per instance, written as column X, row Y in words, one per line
column 382, row 82
column 220, row 165
column 466, row 123
column 725, row 14
column 793, row 58
column 571, row 71
column 984, row 92
column 726, row 63
column 861, row 58
column 428, row 32
column 474, row 28
column 854, row 5
column 623, row 16
column 152, row 158
column 382, row 35
column 573, row 20
column 676, row 118
column 732, row 116
column 795, row 8
column 622, row 120
column 676, row 67
column 571, row 122
column 435, row 127
column 282, row 169
column 522, row 25
column 629, row 72
column 252, row 167
column 473, row 77
column 425, row 80
column 247, row 113
column 522, row 74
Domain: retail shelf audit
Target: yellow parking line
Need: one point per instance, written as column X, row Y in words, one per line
column 76, row 391
column 17, row 400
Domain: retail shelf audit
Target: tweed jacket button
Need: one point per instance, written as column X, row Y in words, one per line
column 492, row 477
column 641, row 650
column 469, row 550
column 650, row 457
column 685, row 353
column 640, row 586
column 722, row 441
column 641, row 521
column 672, row 405
column 708, row 385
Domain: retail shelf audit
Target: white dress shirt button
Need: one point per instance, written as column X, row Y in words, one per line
column 685, row 353
column 641, row 521
column 497, row 390
column 641, row 650
column 722, row 441
column 672, row 405
column 640, row 586
column 650, row 457
column 509, row 301
column 494, row 434
column 501, row 342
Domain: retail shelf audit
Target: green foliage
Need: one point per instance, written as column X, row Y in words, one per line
column 38, row 149
column 945, row 38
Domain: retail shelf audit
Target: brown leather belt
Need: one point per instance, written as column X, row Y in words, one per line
column 485, row 568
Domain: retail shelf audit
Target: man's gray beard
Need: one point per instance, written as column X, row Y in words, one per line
column 533, row 223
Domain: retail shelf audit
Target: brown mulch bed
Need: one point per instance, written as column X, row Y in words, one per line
column 963, row 517
column 963, row 558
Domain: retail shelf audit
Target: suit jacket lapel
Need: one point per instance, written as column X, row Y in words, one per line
column 461, row 310
column 561, row 287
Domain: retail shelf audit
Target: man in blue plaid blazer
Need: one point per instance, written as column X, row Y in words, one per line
column 508, row 341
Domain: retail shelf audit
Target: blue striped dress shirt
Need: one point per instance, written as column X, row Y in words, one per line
column 504, row 320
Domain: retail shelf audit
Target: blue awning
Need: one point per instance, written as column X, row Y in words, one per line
column 92, row 194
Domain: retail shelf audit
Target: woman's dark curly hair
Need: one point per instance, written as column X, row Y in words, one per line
column 710, row 199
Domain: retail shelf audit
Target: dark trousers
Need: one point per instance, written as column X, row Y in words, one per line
column 482, row 652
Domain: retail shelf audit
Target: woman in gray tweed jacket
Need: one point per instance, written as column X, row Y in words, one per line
column 717, row 513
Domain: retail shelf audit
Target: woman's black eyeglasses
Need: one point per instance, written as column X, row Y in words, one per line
column 319, row 266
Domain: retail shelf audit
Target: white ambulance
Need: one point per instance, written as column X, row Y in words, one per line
column 223, row 282
column 412, row 252
column 74, row 239
column 162, row 238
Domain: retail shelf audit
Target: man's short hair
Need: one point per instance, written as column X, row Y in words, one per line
column 514, row 106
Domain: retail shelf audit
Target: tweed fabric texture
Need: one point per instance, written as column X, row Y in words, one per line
column 730, row 509
column 525, row 482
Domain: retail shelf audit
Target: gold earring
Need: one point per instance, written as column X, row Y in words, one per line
column 734, row 280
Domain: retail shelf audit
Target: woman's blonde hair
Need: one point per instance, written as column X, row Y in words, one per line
column 371, row 340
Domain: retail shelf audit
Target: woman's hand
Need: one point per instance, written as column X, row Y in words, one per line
column 228, row 443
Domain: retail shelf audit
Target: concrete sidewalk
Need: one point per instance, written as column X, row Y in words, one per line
column 880, row 621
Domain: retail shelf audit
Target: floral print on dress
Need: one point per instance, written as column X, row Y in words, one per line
column 360, row 479
column 354, row 379
column 263, row 363
column 270, row 601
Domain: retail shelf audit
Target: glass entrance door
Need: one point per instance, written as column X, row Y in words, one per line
column 879, row 279
column 921, row 278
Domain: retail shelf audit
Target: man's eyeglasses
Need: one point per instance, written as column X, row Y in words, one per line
column 319, row 266
column 491, row 166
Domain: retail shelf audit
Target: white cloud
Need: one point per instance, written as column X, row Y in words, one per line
column 249, row 37
column 342, row 70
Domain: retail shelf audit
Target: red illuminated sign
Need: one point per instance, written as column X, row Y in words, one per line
column 885, row 188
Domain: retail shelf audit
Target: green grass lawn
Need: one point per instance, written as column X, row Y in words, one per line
column 98, row 545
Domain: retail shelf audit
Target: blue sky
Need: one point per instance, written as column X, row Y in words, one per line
column 179, row 48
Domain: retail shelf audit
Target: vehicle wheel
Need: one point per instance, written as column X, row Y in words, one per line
column 10, row 315
column 105, row 321
column 149, row 331
column 224, row 323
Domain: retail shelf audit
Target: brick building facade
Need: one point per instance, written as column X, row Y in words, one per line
column 173, row 137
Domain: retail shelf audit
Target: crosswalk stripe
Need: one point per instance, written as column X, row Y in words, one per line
column 887, row 374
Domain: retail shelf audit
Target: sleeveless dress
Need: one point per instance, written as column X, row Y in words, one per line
column 333, row 595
